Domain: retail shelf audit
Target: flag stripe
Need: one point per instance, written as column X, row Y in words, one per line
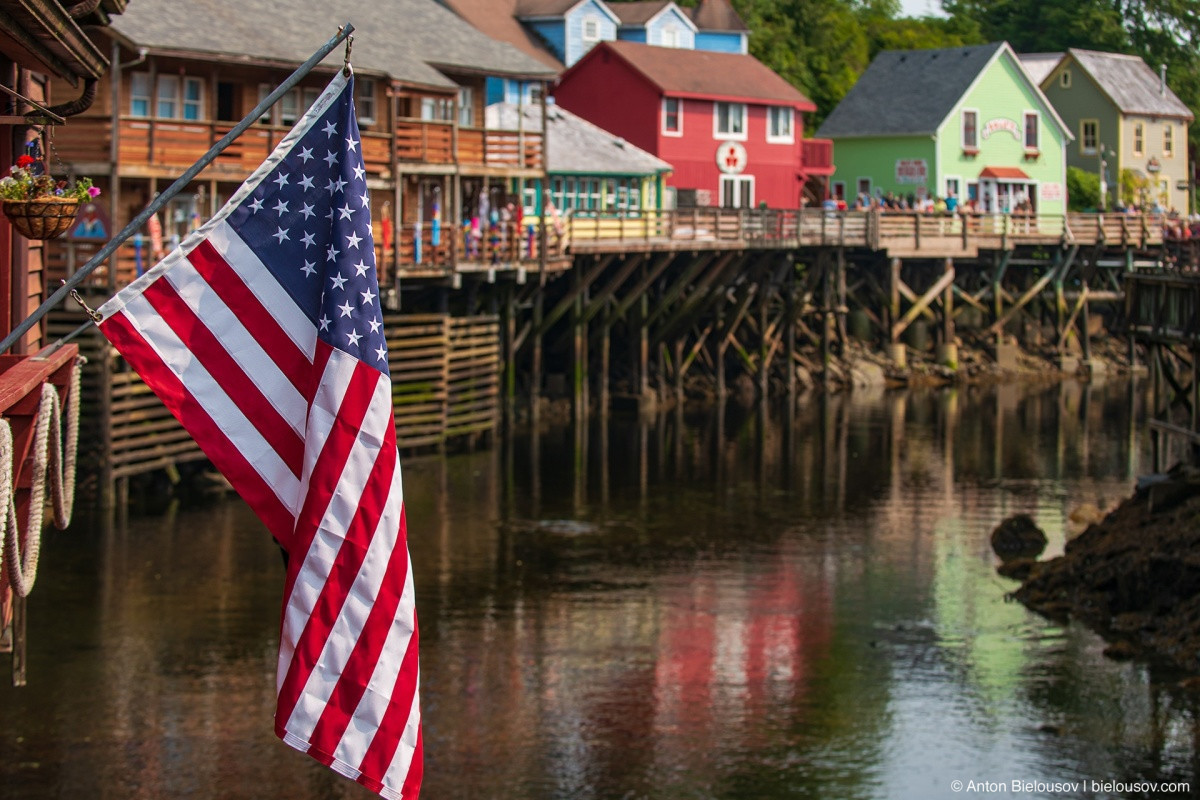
column 248, row 308
column 389, row 749
column 223, row 453
column 197, row 338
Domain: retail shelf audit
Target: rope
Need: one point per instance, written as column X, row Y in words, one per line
column 51, row 457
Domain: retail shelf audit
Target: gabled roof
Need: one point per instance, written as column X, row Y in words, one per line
column 498, row 18
column 912, row 92
column 642, row 12
column 574, row 145
column 717, row 15
column 541, row 9
column 1040, row 65
column 1129, row 82
column 908, row 92
column 405, row 39
column 702, row 73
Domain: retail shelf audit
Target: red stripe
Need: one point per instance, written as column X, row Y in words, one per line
column 400, row 703
column 347, row 565
column 212, row 440
column 364, row 658
column 257, row 318
column 228, row 373
column 416, row 770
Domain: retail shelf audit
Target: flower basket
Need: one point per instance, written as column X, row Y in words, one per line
column 43, row 218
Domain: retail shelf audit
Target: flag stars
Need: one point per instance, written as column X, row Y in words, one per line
column 308, row 239
column 306, row 154
column 330, row 158
column 281, row 208
column 281, row 235
column 330, row 129
column 307, row 182
column 323, row 322
column 281, row 180
column 381, row 353
column 338, row 281
column 367, row 297
column 256, row 205
column 352, row 337
column 353, row 239
column 375, row 325
column 366, row 199
column 345, row 212
column 332, row 253
column 309, row 269
column 307, row 211
column 359, row 172
column 361, row 268
column 346, row 309
column 352, row 144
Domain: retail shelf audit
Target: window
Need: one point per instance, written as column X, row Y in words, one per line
column 466, row 106
column 139, row 94
column 1031, row 130
column 1168, row 141
column 779, row 124
column 173, row 96
column 437, row 109
column 952, row 189
column 864, row 187
column 670, row 36
column 364, row 98
column 730, row 120
column 1064, row 79
column 838, row 190
column 1139, row 138
column 672, row 116
column 970, row 130
column 591, row 28
column 289, row 108
column 1089, row 137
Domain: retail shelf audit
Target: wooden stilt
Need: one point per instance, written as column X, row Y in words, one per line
column 894, row 301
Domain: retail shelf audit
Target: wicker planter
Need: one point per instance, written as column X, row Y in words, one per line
column 44, row 218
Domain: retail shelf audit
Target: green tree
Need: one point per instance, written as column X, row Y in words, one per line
column 1083, row 190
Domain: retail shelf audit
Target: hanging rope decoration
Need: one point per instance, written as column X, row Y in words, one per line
column 53, row 458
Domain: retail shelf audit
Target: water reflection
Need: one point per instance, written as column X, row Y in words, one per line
column 708, row 606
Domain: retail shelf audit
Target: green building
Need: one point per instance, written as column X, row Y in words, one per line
column 966, row 121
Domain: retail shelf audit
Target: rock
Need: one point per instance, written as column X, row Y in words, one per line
column 865, row 374
column 1018, row 537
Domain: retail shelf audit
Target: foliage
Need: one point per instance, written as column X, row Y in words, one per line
column 1136, row 188
column 28, row 180
column 1083, row 190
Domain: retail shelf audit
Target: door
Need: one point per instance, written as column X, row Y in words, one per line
column 737, row 191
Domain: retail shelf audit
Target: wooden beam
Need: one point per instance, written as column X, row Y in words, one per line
column 1033, row 292
column 924, row 301
column 568, row 302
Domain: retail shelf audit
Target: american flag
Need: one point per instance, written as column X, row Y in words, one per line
column 263, row 334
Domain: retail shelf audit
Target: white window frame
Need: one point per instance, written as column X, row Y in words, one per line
column 962, row 129
column 678, row 131
column 166, row 97
column 860, row 183
column 1037, row 131
column 671, row 36
column 736, row 181
column 1168, row 140
column 788, row 113
column 593, row 22
column 1064, row 79
column 958, row 187
column 466, row 107
column 141, row 94
column 835, row 187
column 1139, row 139
column 1084, row 149
column 734, row 136
column 364, row 100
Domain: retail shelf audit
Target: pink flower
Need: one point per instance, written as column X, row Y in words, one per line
column 93, row 191
column 25, row 161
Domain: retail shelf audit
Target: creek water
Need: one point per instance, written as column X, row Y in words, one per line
column 699, row 606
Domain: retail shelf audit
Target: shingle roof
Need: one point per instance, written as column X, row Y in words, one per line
column 907, row 92
column 400, row 38
column 544, row 8
column 717, row 15
column 498, row 18
column 638, row 12
column 1131, row 84
column 704, row 73
column 1040, row 65
column 574, row 145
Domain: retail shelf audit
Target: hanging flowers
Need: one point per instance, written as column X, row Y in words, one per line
column 39, row 206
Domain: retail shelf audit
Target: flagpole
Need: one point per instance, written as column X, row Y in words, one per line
column 175, row 188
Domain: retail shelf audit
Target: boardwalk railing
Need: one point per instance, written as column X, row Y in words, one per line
column 912, row 233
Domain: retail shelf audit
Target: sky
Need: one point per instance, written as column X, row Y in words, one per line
column 921, row 8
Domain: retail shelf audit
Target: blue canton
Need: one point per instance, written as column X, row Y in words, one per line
column 309, row 222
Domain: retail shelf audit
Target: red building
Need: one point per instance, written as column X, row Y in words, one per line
column 731, row 128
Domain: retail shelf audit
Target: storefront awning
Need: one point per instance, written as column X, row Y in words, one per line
column 1004, row 174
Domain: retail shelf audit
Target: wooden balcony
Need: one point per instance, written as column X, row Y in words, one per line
column 816, row 156
column 433, row 143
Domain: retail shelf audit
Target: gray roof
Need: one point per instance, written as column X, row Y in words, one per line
column 908, row 92
column 574, row 145
column 1040, row 65
column 400, row 38
column 1133, row 87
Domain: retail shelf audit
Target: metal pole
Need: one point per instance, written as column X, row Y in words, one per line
column 174, row 189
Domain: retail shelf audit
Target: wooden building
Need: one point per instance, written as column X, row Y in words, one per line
column 177, row 87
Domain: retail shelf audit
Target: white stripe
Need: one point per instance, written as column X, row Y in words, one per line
column 257, row 365
column 331, row 534
column 275, row 299
column 209, row 394
column 368, row 716
column 402, row 760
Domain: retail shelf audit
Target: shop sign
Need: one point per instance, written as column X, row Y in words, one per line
column 911, row 170
column 1001, row 125
column 1050, row 192
column 731, row 158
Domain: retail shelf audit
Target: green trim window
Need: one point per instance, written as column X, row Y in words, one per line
column 1064, row 79
column 596, row 195
column 1139, row 139
column 1168, row 140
